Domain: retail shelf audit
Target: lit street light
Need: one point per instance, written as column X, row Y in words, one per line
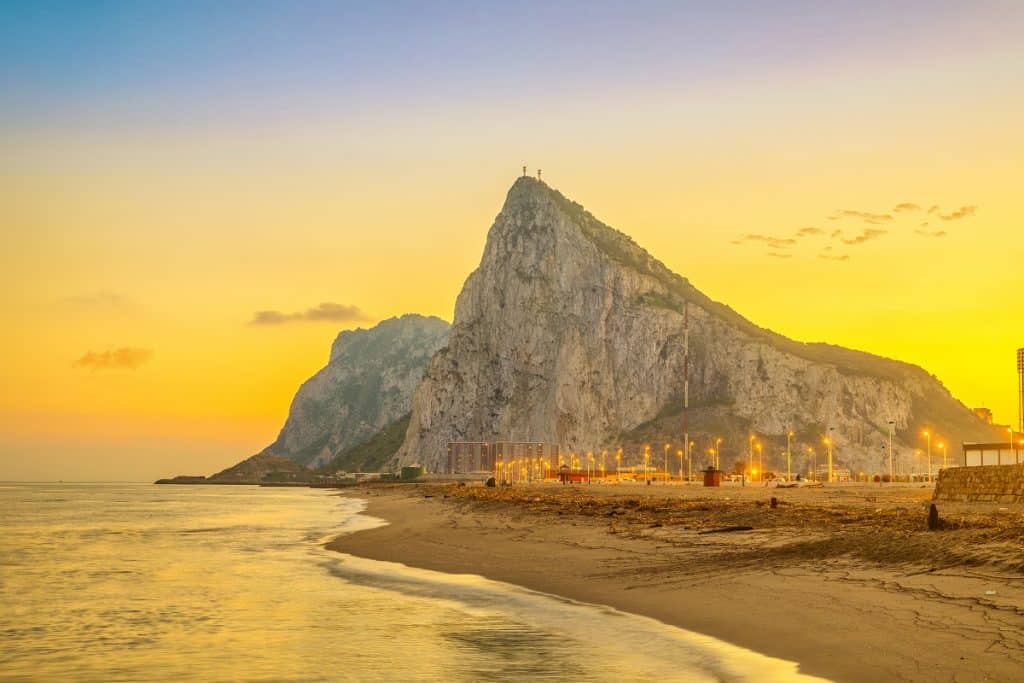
column 760, row 462
column 892, row 426
column 789, row 455
column 928, row 436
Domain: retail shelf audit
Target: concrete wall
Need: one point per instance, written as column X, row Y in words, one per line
column 988, row 484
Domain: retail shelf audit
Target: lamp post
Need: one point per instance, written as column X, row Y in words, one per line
column 718, row 453
column 892, row 426
column 928, row 437
column 647, row 459
column 680, row 454
column 760, row 462
column 667, row 446
column 689, row 461
column 813, row 455
column 832, row 440
column 750, row 454
column 942, row 447
column 618, row 464
column 789, row 455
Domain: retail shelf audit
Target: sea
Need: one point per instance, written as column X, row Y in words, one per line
column 137, row 582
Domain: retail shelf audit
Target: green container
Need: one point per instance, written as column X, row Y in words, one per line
column 412, row 472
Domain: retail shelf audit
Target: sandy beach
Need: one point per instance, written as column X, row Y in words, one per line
column 847, row 581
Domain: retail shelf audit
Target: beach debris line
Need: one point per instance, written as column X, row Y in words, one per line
column 726, row 529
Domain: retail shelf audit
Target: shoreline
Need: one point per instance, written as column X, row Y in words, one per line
column 838, row 617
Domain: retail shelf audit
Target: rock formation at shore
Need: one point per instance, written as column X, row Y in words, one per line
column 365, row 387
column 570, row 333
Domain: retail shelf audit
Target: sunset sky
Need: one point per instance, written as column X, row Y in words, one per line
column 196, row 197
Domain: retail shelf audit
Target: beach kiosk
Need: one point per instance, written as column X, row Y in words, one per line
column 712, row 477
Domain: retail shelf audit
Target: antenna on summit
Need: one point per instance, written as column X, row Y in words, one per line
column 524, row 170
column 538, row 174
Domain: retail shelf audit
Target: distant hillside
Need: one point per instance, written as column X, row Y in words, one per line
column 262, row 467
column 366, row 386
column 372, row 455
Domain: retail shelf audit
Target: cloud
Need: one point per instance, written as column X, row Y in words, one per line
column 773, row 242
column 100, row 301
column 866, row 216
column 126, row 358
column 778, row 255
column 962, row 212
column 807, row 232
column 834, row 257
column 931, row 233
column 325, row 312
column 905, row 206
column 866, row 235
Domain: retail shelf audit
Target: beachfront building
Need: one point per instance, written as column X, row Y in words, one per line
column 838, row 473
column 1004, row 453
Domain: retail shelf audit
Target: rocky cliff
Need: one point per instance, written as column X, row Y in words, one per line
column 366, row 386
column 570, row 333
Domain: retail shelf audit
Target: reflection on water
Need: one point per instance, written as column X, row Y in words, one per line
column 208, row 583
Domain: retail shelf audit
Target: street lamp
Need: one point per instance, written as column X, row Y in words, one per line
column 647, row 459
column 680, row 454
column 760, row 461
column 928, row 436
column 718, row 453
column 813, row 455
column 831, row 439
column 750, row 453
column 942, row 447
column 618, row 464
column 689, row 460
column 789, row 455
column 892, row 426
column 667, row 446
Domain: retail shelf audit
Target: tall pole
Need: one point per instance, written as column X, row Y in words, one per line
column 750, row 454
column 892, row 424
column 686, row 384
column 667, row 446
column 1020, row 387
column 789, row 455
column 928, row 437
column 831, row 430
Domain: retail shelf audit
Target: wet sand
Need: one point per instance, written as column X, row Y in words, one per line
column 847, row 581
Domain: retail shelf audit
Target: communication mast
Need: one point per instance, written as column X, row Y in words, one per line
column 686, row 378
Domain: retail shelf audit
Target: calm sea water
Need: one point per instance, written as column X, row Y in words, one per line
column 121, row 582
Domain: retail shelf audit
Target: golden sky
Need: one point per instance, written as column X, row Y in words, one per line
column 143, row 231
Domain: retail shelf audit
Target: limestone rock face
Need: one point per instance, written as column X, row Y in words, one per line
column 570, row 333
column 367, row 384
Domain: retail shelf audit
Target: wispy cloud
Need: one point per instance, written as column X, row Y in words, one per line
column 100, row 301
column 930, row 233
column 834, row 257
column 906, row 206
column 962, row 212
column 776, row 254
column 866, row 235
column 866, row 216
column 773, row 242
column 124, row 358
column 808, row 232
column 325, row 312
